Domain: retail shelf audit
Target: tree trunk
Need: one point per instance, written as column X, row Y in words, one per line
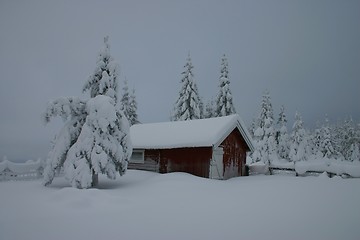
column 95, row 179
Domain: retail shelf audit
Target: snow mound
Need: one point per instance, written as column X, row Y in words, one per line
column 324, row 175
column 258, row 168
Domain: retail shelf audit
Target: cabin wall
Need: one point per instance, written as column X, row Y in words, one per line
column 195, row 161
column 234, row 158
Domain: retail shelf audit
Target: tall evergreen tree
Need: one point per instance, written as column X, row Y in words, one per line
column 299, row 141
column 128, row 104
column 264, row 135
column 95, row 138
column 125, row 100
column 282, row 135
column 188, row 104
column 224, row 101
column 133, row 117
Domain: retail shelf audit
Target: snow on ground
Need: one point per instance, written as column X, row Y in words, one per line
column 146, row 205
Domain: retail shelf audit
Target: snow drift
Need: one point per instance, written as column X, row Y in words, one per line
column 146, row 205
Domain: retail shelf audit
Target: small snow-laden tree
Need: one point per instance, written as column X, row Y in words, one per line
column 315, row 142
column 210, row 109
column 188, row 104
column 224, row 101
column 270, row 142
column 266, row 111
column 104, row 80
column 259, row 152
column 264, row 134
column 283, row 138
column 326, row 144
column 299, row 141
column 125, row 101
column 344, row 136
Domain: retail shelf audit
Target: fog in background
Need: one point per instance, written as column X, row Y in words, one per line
column 306, row 53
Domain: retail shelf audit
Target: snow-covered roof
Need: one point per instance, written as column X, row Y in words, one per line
column 193, row 133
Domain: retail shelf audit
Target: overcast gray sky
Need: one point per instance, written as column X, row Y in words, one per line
column 305, row 52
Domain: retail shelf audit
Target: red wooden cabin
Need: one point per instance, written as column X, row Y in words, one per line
column 210, row 148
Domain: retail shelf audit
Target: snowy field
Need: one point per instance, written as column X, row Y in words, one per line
column 145, row 205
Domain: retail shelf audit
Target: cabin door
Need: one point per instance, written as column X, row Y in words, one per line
column 217, row 164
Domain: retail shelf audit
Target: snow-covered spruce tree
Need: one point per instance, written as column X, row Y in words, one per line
column 125, row 99
column 264, row 134
column 133, row 117
column 224, row 101
column 188, row 105
column 299, row 141
column 129, row 104
column 95, row 138
column 104, row 80
column 252, row 127
column 209, row 109
column 344, row 136
column 103, row 145
column 315, row 140
column 283, row 146
column 326, row 144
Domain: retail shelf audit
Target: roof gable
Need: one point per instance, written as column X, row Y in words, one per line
column 193, row 133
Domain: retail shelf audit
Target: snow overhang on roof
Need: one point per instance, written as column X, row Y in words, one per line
column 194, row 133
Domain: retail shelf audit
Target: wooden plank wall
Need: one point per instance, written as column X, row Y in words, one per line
column 234, row 158
column 195, row 161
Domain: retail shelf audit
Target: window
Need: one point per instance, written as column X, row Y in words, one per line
column 137, row 156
